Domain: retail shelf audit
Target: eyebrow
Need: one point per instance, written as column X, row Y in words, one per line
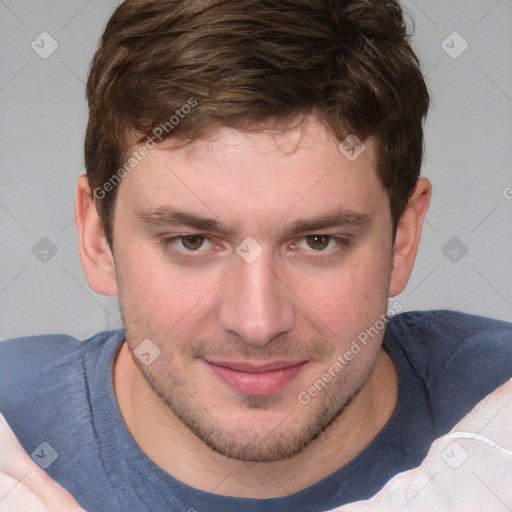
column 167, row 216
column 337, row 218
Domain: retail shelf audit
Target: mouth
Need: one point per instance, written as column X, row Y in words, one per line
column 256, row 379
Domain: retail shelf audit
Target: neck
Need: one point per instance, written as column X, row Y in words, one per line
column 186, row 458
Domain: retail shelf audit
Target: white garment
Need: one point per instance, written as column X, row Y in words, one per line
column 467, row 470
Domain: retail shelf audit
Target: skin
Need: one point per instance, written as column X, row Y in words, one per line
column 24, row 486
column 303, row 299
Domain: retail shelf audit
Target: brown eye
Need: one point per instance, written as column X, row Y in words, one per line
column 318, row 242
column 192, row 242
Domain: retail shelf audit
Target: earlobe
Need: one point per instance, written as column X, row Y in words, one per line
column 95, row 253
column 408, row 236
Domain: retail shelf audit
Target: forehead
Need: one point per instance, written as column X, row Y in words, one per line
column 309, row 135
column 257, row 174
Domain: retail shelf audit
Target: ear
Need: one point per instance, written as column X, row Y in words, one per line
column 95, row 254
column 408, row 236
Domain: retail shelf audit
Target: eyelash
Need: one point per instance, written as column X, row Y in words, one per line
column 167, row 243
column 341, row 242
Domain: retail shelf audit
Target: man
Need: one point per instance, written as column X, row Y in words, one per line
column 252, row 195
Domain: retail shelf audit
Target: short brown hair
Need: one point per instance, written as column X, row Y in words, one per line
column 247, row 62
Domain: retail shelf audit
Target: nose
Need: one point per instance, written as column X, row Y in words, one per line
column 256, row 305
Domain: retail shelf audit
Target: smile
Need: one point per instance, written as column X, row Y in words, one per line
column 254, row 379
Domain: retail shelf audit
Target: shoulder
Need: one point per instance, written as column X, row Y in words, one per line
column 452, row 322
column 33, row 351
column 45, row 367
column 458, row 358
column 450, row 338
column 25, row 358
column 53, row 388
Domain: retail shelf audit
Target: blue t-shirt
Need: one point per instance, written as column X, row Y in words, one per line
column 58, row 391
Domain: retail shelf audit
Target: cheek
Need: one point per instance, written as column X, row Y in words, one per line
column 151, row 288
column 351, row 297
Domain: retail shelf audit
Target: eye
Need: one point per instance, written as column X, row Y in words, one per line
column 190, row 247
column 318, row 242
column 321, row 247
column 192, row 242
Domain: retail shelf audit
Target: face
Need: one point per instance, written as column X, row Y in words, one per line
column 252, row 262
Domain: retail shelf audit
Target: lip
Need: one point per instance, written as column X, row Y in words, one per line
column 256, row 379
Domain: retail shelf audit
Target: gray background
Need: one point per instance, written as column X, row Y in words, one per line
column 43, row 114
